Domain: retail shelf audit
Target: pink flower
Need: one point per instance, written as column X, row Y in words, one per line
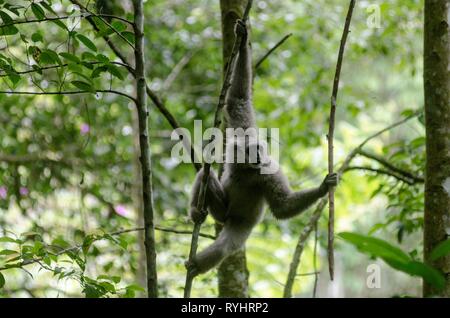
column 3, row 192
column 85, row 129
column 24, row 191
column 121, row 210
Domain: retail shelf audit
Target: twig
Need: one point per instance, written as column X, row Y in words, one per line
column 40, row 69
column 207, row 166
column 175, row 231
column 109, row 91
column 331, row 135
column 64, row 18
column 153, row 96
column 287, row 293
column 390, row 166
column 270, row 51
column 116, row 233
column 316, row 273
column 385, row 172
column 177, row 69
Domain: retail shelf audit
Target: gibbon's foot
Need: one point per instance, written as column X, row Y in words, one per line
column 241, row 28
column 191, row 268
column 331, row 180
column 197, row 216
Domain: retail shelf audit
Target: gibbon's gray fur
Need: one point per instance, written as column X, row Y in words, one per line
column 237, row 200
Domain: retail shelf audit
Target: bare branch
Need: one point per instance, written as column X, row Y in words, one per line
column 383, row 171
column 391, row 166
column 287, row 293
column 86, row 15
column 40, row 69
column 116, row 233
column 108, row 91
column 153, row 96
column 331, row 135
column 270, row 51
column 177, row 69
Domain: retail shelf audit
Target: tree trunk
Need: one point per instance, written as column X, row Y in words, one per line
column 145, row 158
column 233, row 273
column 437, row 116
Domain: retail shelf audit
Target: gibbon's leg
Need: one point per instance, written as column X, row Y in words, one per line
column 231, row 238
column 284, row 203
column 215, row 199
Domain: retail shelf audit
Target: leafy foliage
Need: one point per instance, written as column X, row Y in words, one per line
column 395, row 257
column 68, row 164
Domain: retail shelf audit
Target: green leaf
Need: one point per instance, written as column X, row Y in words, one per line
column 5, row 17
column 102, row 58
column 394, row 257
column 128, row 35
column 2, row 280
column 441, row 250
column 60, row 24
column 49, row 57
column 37, row 37
column 108, row 286
column 375, row 246
column 114, row 70
column 8, row 30
column 48, row 7
column 84, row 87
column 98, row 70
column 119, row 26
column 8, row 252
column 428, row 273
column 7, row 239
column 38, row 11
column 70, row 57
column 88, row 56
column 88, row 240
column 87, row 42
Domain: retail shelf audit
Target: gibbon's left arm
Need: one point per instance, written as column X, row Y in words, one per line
column 239, row 107
column 284, row 203
column 216, row 201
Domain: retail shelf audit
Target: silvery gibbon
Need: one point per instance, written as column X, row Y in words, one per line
column 237, row 199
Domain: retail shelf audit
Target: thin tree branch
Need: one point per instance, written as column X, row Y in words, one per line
column 316, row 273
column 287, row 293
column 116, row 233
column 385, row 172
column 390, row 166
column 271, row 50
column 153, row 96
column 177, row 69
column 40, row 69
column 108, row 91
column 207, row 166
column 86, row 15
column 175, row 231
column 331, row 135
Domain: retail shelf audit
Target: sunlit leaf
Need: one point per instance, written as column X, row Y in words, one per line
column 87, row 42
column 38, row 11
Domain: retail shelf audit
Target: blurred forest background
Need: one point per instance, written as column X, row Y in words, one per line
column 69, row 167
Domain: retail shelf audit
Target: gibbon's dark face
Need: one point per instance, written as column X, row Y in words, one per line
column 250, row 154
